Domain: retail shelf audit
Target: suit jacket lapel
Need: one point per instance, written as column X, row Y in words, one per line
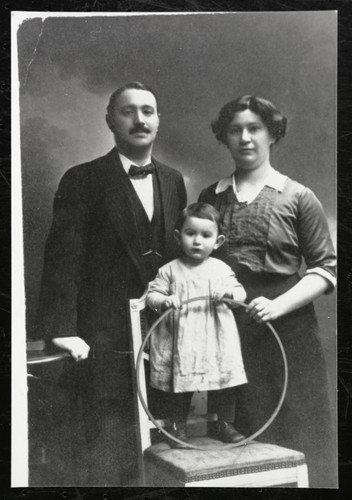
column 120, row 197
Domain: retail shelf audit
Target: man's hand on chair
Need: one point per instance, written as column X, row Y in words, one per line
column 76, row 346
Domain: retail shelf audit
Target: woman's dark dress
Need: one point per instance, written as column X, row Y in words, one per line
column 265, row 243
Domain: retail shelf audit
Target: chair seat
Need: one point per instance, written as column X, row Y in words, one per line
column 254, row 464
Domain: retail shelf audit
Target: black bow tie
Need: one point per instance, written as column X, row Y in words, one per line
column 135, row 171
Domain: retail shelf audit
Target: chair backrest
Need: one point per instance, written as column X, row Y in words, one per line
column 139, row 328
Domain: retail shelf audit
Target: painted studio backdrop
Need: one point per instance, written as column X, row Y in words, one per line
column 69, row 66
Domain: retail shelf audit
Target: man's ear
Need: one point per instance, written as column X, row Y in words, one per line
column 108, row 121
column 220, row 240
column 177, row 236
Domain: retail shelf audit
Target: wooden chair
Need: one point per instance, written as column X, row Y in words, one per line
column 216, row 464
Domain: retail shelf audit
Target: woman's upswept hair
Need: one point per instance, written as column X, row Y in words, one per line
column 201, row 211
column 274, row 120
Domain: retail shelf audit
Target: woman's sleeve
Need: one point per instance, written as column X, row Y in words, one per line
column 314, row 238
column 158, row 289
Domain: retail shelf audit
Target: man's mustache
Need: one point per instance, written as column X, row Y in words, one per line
column 139, row 127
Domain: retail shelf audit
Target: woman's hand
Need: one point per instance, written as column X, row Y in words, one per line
column 305, row 291
column 172, row 301
column 76, row 346
column 262, row 310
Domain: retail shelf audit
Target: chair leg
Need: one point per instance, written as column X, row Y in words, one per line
column 302, row 476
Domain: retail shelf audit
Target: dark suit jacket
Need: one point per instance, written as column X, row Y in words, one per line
column 93, row 263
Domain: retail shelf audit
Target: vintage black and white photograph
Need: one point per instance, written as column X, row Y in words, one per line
column 174, row 246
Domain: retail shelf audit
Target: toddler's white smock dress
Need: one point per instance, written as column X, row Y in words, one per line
column 196, row 348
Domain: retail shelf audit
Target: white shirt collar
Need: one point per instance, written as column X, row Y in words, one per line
column 274, row 180
column 142, row 185
column 126, row 163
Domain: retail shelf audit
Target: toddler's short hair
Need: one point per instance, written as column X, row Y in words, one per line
column 201, row 211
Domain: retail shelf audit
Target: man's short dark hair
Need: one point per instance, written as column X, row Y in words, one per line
column 129, row 85
column 201, row 211
column 274, row 120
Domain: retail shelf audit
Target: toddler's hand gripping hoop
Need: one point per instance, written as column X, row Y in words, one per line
column 140, row 357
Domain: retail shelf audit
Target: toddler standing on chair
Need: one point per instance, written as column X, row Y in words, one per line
column 197, row 347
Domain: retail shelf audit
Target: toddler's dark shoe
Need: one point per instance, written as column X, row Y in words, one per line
column 179, row 431
column 226, row 433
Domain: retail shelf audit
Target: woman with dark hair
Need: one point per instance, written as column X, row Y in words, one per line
column 272, row 224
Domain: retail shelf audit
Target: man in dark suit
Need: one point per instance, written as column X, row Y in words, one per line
column 112, row 229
